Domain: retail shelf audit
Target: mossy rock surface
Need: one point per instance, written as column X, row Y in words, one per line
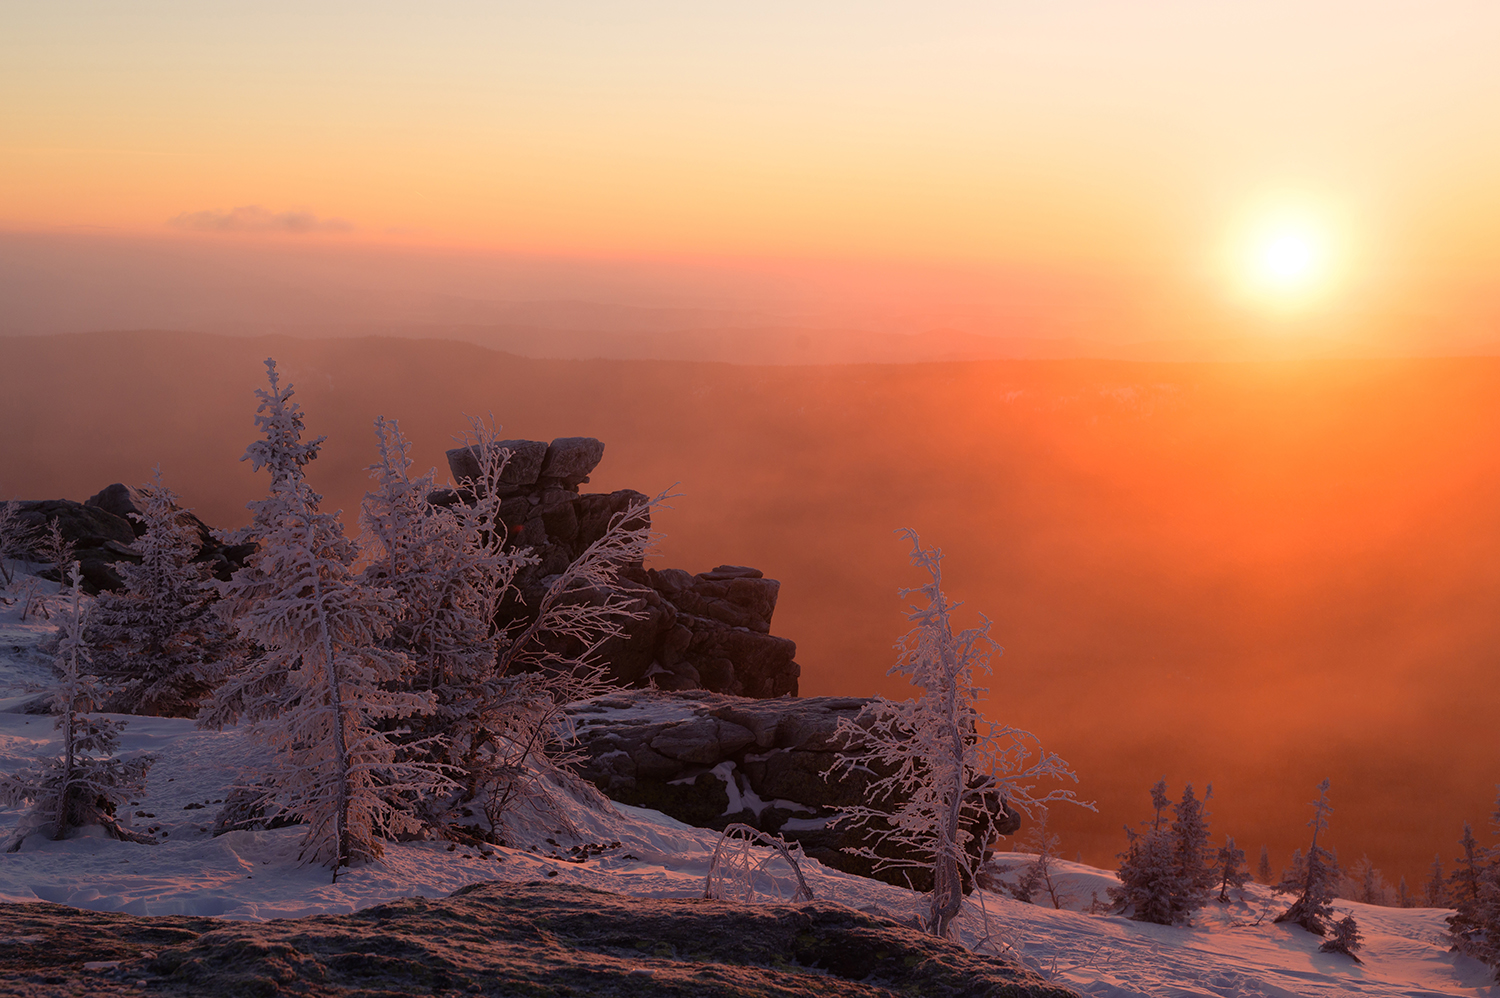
column 505, row 939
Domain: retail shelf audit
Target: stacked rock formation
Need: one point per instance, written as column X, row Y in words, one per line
column 709, row 760
column 707, row 631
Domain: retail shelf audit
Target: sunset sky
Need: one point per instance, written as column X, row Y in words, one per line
column 1184, row 162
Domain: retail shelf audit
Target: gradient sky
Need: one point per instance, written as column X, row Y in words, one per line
column 1138, row 142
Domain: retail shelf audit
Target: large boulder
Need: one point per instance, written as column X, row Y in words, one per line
column 710, row 759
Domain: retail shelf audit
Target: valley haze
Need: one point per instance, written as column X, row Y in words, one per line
column 1253, row 575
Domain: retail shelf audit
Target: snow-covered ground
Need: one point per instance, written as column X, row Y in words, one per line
column 1232, row 950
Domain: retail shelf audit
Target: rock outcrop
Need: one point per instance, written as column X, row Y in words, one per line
column 103, row 534
column 707, row 631
column 709, row 760
column 505, row 939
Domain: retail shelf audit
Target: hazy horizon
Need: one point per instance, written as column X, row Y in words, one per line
column 1249, row 574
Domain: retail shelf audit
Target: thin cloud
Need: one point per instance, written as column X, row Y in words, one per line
column 254, row 218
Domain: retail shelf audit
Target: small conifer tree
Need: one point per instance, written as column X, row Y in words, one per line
column 1435, row 891
column 1231, row 869
column 54, row 548
column 1463, row 885
column 1263, row 870
column 1037, row 879
column 510, row 732
column 1316, row 887
column 1295, row 872
column 1475, row 925
column 158, row 644
column 1166, row 872
column 88, row 783
column 1346, row 939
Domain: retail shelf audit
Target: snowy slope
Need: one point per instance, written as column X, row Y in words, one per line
column 1233, row 950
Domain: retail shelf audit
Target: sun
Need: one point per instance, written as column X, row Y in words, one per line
column 1285, row 259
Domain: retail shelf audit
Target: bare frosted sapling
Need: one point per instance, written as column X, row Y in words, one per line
column 944, row 766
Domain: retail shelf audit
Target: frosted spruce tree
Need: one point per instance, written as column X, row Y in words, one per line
column 1463, row 885
column 1263, row 868
column 943, row 764
column 1166, row 872
column 322, row 685
column 88, row 783
column 1346, row 939
column 159, row 646
column 1435, row 890
column 1230, row 870
column 1318, row 879
column 1475, row 925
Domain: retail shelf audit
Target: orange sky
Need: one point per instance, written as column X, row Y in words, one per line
column 1132, row 143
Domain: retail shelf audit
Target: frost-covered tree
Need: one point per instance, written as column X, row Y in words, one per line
column 1037, row 880
column 1363, row 882
column 88, row 783
column 1317, row 885
column 1166, row 872
column 1475, row 925
column 1263, row 869
column 1295, row 872
column 1404, row 897
column 325, row 678
column 1463, row 884
column 158, row 644
column 449, row 569
column 1346, row 939
column 500, row 694
column 943, row 764
column 12, row 541
column 1195, row 857
column 1230, row 870
column 1435, row 891
column 57, row 550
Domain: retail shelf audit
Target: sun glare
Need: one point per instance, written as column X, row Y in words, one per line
column 1285, row 259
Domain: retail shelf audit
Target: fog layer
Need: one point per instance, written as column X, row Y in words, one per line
column 1254, row 575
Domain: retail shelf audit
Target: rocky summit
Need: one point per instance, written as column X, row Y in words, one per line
column 504, row 939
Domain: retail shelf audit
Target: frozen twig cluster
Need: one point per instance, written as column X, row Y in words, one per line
column 745, row 855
